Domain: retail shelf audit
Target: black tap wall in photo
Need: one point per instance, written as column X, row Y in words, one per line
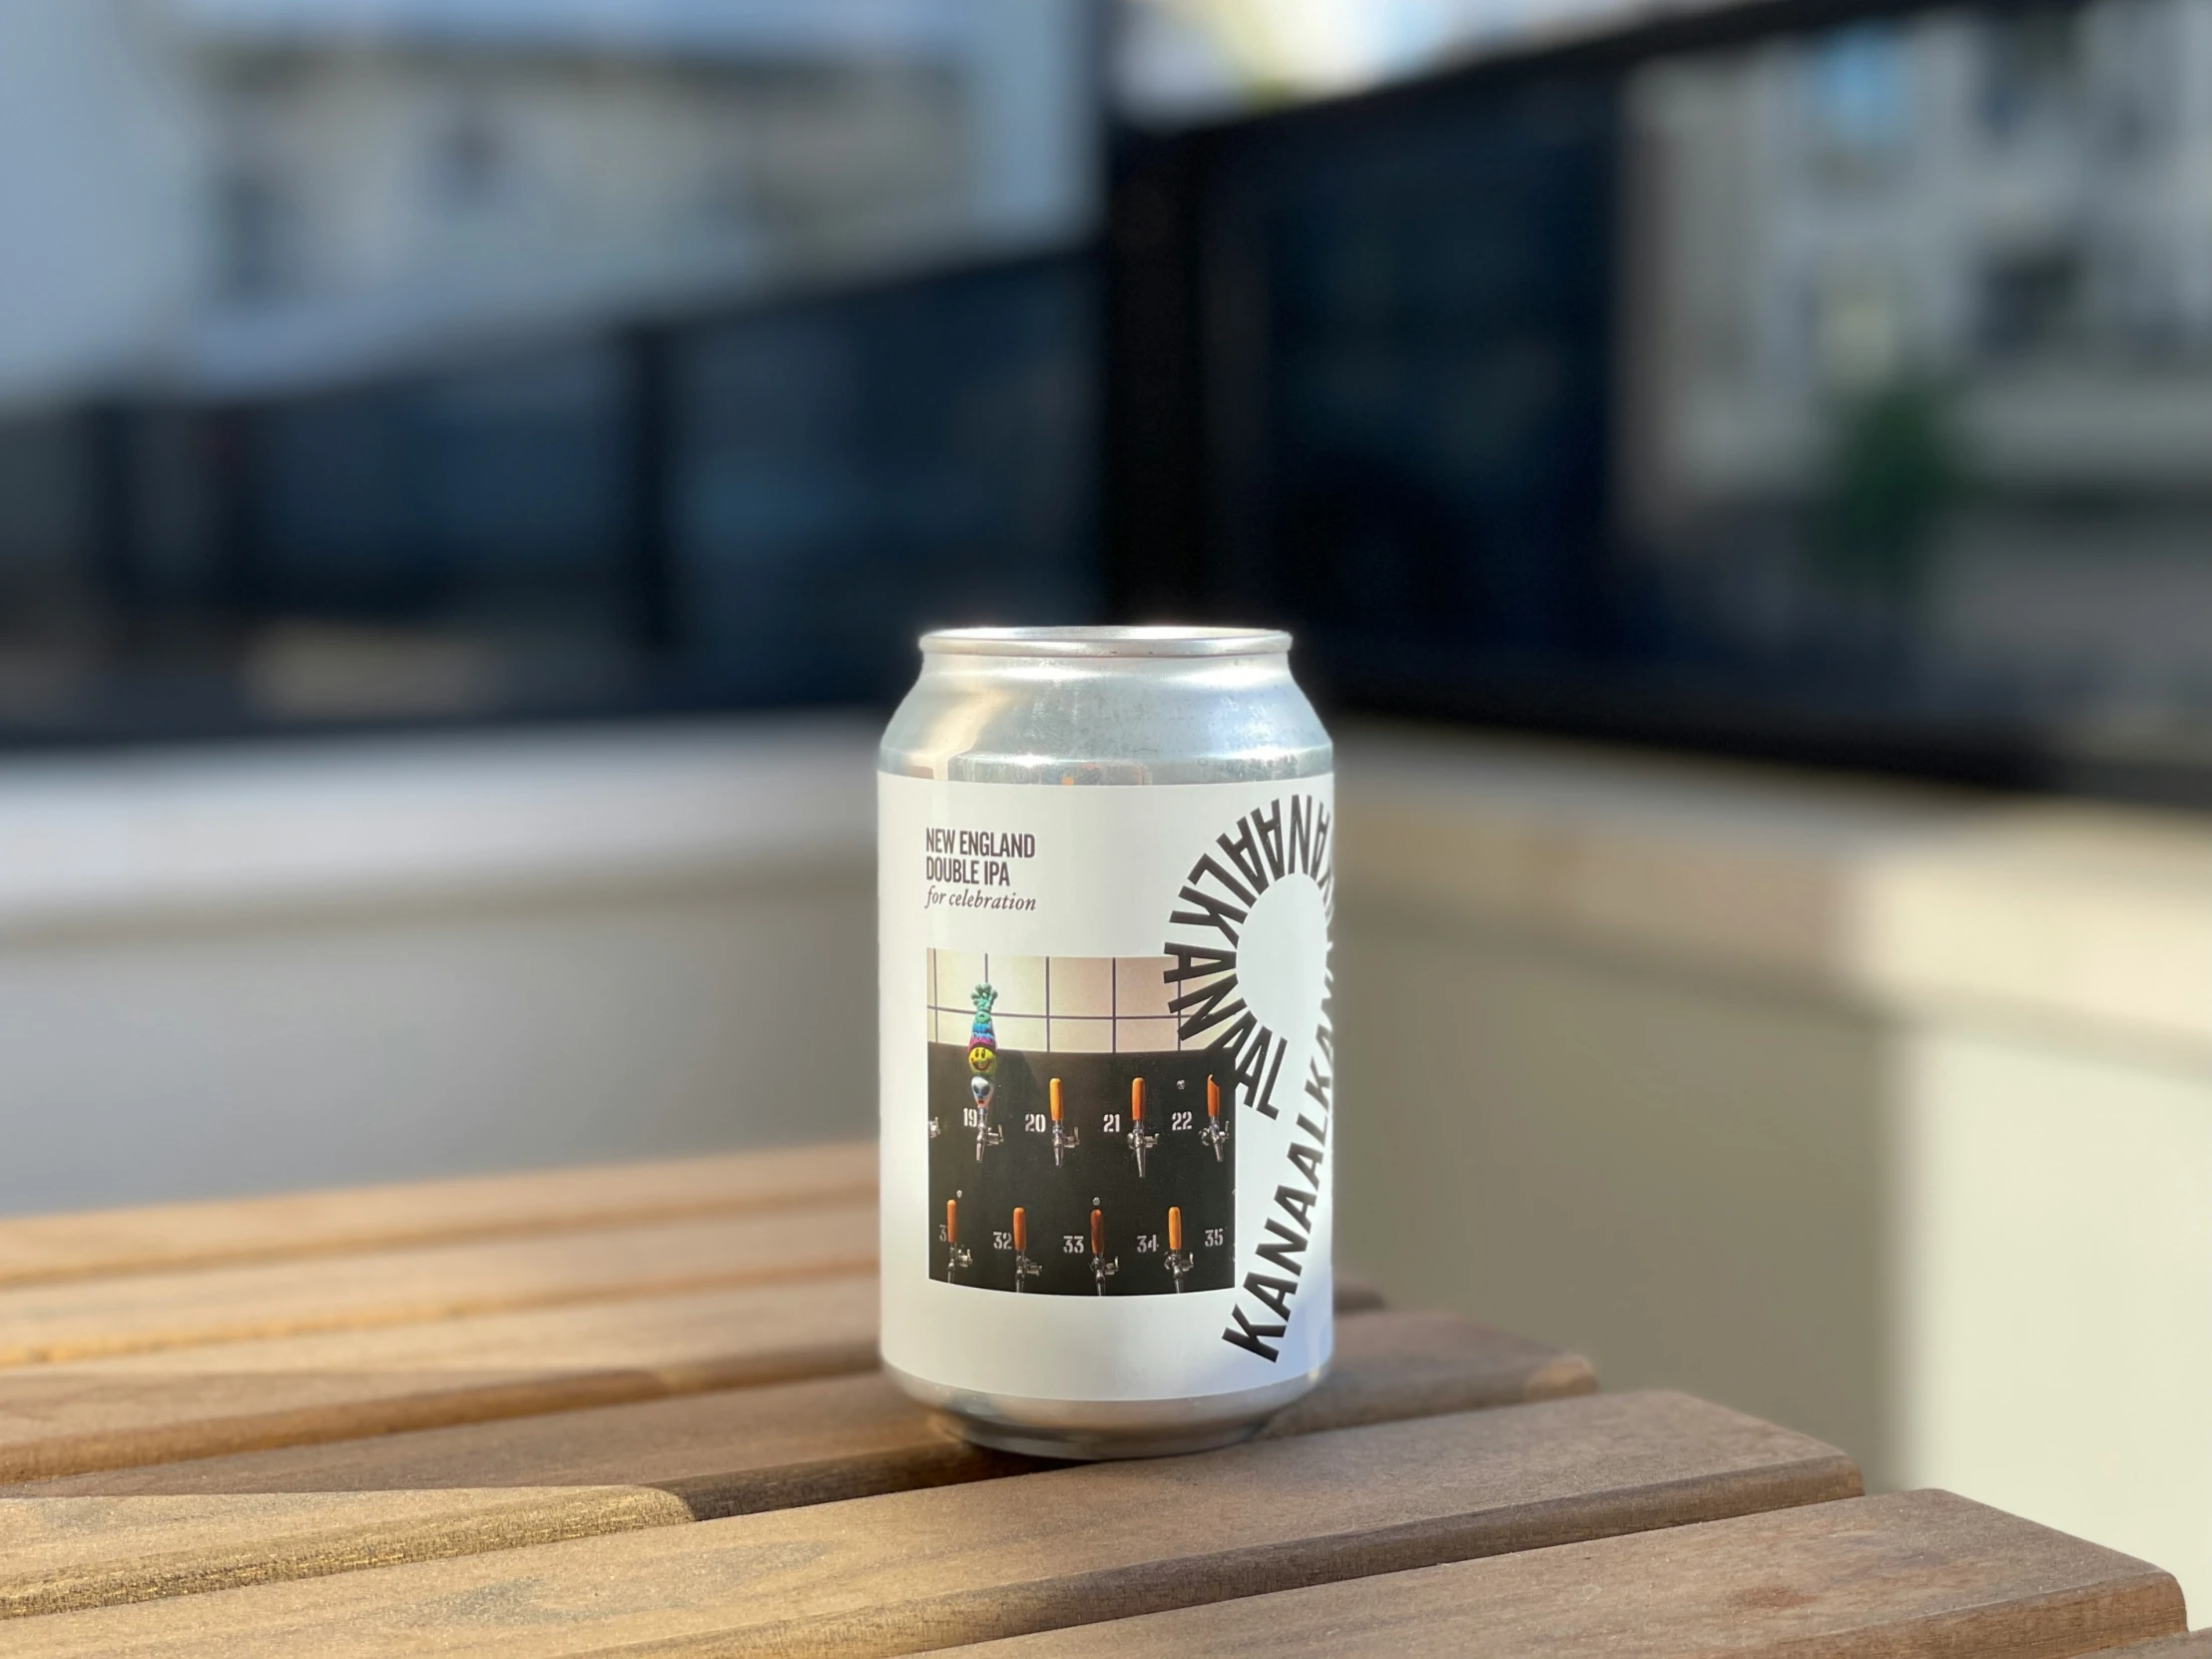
column 1062, row 1173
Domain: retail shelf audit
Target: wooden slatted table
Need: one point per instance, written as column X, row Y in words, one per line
column 635, row 1409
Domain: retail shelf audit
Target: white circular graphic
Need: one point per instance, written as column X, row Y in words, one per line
column 1282, row 955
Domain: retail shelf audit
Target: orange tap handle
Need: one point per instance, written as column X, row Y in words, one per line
column 1175, row 1228
column 1098, row 1232
column 1021, row 1231
column 951, row 1221
column 1056, row 1100
column 1136, row 1100
column 1213, row 1099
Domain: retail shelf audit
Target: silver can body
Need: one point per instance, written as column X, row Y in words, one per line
column 1161, row 718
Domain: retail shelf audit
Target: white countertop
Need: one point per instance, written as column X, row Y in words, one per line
column 108, row 836
column 2021, row 907
column 2027, row 907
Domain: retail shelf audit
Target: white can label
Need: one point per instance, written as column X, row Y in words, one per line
column 1107, row 1079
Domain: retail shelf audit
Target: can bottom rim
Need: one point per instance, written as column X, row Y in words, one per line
column 1096, row 1430
column 1080, row 1449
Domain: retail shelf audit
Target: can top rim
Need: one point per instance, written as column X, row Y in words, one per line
column 1153, row 641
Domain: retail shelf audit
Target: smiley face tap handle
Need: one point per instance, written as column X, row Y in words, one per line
column 982, row 1059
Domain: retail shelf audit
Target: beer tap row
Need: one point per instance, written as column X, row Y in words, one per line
column 1176, row 1261
column 1140, row 1136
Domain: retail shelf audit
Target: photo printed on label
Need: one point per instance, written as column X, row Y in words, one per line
column 1077, row 1146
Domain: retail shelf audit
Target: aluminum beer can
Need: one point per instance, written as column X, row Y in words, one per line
column 1105, row 863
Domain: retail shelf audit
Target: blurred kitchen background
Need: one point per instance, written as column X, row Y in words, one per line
column 1739, row 472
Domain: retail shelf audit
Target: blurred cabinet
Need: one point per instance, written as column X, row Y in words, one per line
column 253, row 969
column 1884, row 1111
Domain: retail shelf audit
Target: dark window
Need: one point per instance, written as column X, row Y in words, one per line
column 1565, row 395
column 2031, row 67
column 2030, row 301
column 256, row 234
column 850, row 470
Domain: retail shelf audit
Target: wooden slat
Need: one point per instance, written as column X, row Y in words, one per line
column 235, row 1396
column 912, row 1571
column 1424, row 1365
column 1389, row 1366
column 136, row 1534
column 1910, row 1573
column 42, row 1248
column 62, row 1554
column 2197, row 1645
column 216, row 1399
column 145, row 1312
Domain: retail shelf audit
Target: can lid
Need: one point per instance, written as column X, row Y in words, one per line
column 1156, row 641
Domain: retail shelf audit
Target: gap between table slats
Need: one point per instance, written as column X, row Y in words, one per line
column 292, row 1226
column 179, row 1528
column 1910, row 1573
column 914, row 1570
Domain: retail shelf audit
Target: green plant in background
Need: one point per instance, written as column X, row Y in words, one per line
column 1895, row 469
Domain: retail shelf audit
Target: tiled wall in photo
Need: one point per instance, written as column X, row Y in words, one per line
column 1066, row 1004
